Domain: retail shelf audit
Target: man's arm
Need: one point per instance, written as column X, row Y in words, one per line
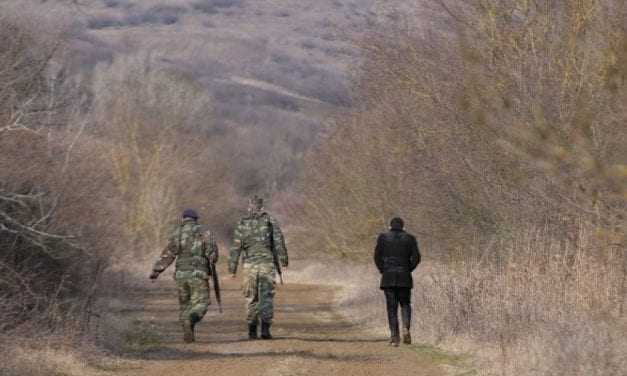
column 378, row 254
column 236, row 250
column 414, row 258
column 168, row 255
column 279, row 243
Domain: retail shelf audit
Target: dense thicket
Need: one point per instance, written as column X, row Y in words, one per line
column 497, row 130
column 494, row 116
column 94, row 170
column 46, row 215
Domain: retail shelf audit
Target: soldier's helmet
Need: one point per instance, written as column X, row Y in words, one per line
column 190, row 213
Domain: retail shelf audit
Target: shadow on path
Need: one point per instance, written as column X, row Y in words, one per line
column 169, row 354
column 332, row 340
column 296, row 338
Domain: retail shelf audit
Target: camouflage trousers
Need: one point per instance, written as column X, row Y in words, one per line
column 193, row 297
column 258, row 289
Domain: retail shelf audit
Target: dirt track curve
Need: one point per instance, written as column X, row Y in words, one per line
column 310, row 338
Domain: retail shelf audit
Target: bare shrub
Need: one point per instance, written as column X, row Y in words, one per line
column 510, row 119
column 117, row 3
column 309, row 45
column 156, row 15
column 37, row 226
column 526, row 306
column 239, row 96
column 548, row 308
column 213, row 6
column 426, row 144
column 306, row 79
column 24, row 94
column 24, row 359
column 105, row 21
column 282, row 13
column 160, row 14
column 158, row 130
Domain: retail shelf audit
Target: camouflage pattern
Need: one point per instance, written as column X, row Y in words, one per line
column 193, row 297
column 255, row 239
column 193, row 250
column 258, row 287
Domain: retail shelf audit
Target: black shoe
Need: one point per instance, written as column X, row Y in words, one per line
column 265, row 330
column 195, row 319
column 252, row 331
column 406, row 337
column 188, row 332
column 394, row 341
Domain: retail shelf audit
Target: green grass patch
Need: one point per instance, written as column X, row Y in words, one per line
column 438, row 356
column 468, row 373
column 141, row 338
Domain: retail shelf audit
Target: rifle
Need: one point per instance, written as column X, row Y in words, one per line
column 275, row 257
column 216, row 284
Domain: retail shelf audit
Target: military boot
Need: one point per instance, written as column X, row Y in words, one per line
column 188, row 331
column 406, row 336
column 252, row 330
column 195, row 319
column 265, row 330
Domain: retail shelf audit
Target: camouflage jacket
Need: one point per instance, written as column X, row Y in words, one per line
column 192, row 249
column 256, row 238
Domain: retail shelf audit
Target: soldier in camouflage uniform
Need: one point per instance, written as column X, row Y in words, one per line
column 258, row 240
column 193, row 249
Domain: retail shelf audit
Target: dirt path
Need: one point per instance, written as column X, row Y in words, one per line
column 310, row 339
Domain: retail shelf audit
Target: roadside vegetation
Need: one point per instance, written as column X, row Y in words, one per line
column 497, row 130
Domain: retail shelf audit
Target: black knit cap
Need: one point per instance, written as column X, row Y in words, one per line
column 397, row 223
column 190, row 213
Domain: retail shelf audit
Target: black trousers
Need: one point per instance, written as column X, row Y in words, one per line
column 394, row 297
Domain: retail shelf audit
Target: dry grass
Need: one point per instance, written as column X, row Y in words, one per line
column 498, row 134
column 506, row 116
column 547, row 308
column 478, row 129
column 42, row 362
column 94, row 170
column 45, row 356
column 540, row 308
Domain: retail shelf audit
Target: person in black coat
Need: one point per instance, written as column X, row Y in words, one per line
column 396, row 256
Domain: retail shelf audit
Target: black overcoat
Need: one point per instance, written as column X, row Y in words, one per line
column 396, row 256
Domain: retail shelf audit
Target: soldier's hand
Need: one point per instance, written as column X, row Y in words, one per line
column 154, row 275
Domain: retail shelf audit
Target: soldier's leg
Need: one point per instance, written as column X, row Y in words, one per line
column 199, row 299
column 404, row 297
column 266, row 303
column 252, row 302
column 392, row 301
column 184, row 298
column 251, row 293
column 185, row 308
column 266, row 298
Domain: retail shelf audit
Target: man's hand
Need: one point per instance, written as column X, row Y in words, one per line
column 154, row 275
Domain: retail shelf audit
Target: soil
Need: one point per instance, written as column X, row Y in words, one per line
column 310, row 338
